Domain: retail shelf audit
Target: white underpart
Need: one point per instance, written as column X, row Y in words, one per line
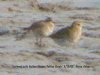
column 50, row 30
column 78, row 35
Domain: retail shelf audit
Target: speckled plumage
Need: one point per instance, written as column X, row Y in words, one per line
column 71, row 34
column 42, row 29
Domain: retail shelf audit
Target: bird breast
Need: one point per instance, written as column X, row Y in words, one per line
column 49, row 29
column 77, row 35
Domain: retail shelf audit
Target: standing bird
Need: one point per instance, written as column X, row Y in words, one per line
column 41, row 29
column 70, row 35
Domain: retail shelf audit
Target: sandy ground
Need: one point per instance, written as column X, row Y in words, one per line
column 23, row 57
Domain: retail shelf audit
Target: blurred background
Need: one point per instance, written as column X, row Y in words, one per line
column 16, row 14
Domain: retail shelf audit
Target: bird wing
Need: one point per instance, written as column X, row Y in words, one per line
column 36, row 25
column 61, row 33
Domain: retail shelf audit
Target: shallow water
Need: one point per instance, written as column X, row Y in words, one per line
column 76, row 3
column 26, row 52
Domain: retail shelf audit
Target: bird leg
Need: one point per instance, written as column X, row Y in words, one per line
column 41, row 44
column 39, row 41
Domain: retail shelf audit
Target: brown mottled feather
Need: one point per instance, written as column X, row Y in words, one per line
column 71, row 33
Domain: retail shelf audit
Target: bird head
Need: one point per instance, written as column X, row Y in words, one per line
column 77, row 24
column 48, row 19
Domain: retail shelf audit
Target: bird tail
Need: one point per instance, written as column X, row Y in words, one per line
column 26, row 29
column 52, row 35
